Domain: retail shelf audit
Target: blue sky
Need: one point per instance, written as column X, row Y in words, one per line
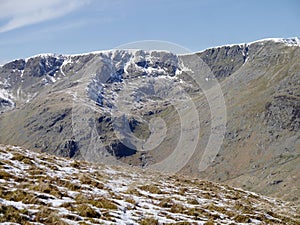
column 75, row 26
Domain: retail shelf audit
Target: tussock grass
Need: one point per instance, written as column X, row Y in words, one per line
column 130, row 200
column 177, row 208
column 46, row 215
column 242, row 219
column 108, row 193
column 86, row 179
column 133, row 191
column 12, row 214
column 47, row 188
column 209, row 223
column 86, row 210
column 151, row 188
column 6, row 176
column 192, row 201
column 21, row 196
column 104, row 203
column 22, row 158
column 166, row 203
column 148, row 221
column 181, row 223
column 99, row 202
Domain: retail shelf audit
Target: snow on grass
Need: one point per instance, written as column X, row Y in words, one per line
column 37, row 188
column 18, row 205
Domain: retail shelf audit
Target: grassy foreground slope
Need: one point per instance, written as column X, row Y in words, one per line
column 43, row 189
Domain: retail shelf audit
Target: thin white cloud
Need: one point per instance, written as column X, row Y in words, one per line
column 15, row 13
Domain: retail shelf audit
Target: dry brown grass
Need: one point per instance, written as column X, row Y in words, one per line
column 5, row 175
column 223, row 210
column 47, row 188
column 130, row 200
column 151, row 188
column 196, row 212
column 21, row 196
column 148, row 221
column 242, row 219
column 37, row 171
column 77, row 164
column 193, row 201
column 104, row 203
column 166, row 203
column 22, row 158
column 12, row 214
column 177, row 208
column 209, row 223
column 39, row 188
column 86, row 179
column 86, row 210
column 99, row 202
column 181, row 223
column 133, row 191
column 46, row 215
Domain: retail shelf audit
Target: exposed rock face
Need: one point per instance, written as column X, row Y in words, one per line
column 15, row 65
column 5, row 103
column 101, row 107
column 283, row 113
column 41, row 66
column 224, row 61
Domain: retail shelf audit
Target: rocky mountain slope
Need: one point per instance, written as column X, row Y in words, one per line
column 145, row 108
column 43, row 189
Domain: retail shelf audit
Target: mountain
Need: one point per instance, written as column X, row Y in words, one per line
column 40, row 188
column 163, row 111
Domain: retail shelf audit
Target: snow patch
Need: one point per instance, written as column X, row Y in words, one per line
column 7, row 96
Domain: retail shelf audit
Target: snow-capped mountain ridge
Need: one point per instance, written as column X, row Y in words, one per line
column 49, row 68
column 292, row 41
